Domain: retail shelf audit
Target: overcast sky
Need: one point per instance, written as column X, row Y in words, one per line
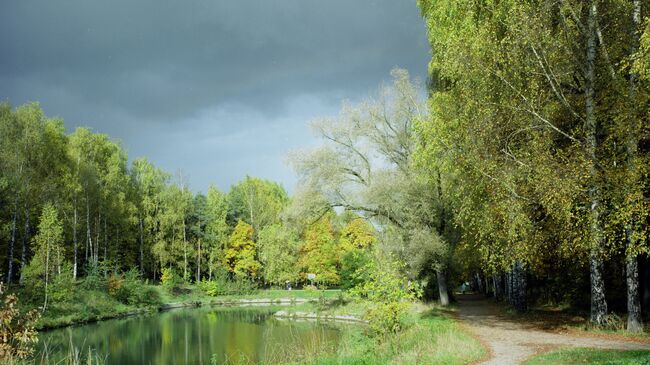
column 218, row 89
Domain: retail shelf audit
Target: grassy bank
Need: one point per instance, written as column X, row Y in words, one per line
column 591, row 356
column 430, row 336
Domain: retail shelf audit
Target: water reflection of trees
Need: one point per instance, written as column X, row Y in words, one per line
column 193, row 336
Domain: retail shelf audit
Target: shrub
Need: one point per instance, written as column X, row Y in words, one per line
column 94, row 279
column 209, row 287
column 17, row 332
column 389, row 292
column 221, row 285
column 170, row 278
column 351, row 262
column 242, row 287
column 62, row 288
column 128, row 288
column 144, row 295
column 33, row 285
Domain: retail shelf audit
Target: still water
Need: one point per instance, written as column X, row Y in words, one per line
column 193, row 336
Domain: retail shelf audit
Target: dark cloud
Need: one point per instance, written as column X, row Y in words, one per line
column 227, row 84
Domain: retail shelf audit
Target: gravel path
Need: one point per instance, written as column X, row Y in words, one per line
column 511, row 342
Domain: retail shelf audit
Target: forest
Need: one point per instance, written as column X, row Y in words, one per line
column 520, row 166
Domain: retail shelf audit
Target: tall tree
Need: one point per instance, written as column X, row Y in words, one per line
column 241, row 252
column 48, row 246
column 318, row 252
column 150, row 182
column 217, row 230
column 278, row 253
column 257, row 202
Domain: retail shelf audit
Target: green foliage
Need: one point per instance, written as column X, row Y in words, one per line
column 318, row 253
column 128, row 288
column 94, row 279
column 357, row 234
column 48, row 248
column 63, row 285
column 210, row 287
column 219, row 287
column 33, row 285
column 389, row 292
column 355, row 243
column 352, row 264
column 538, row 168
column 223, row 284
column 641, row 59
column 257, row 202
column 240, row 254
column 216, row 229
column 169, row 278
column 279, row 254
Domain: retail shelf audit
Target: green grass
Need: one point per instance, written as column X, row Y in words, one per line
column 430, row 337
column 591, row 356
column 87, row 306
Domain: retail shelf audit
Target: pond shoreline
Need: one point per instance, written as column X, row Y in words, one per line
column 215, row 303
column 312, row 316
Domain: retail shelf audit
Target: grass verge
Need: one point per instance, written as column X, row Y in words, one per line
column 591, row 356
column 430, row 337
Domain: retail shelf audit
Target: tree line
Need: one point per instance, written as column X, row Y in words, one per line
column 74, row 204
column 539, row 126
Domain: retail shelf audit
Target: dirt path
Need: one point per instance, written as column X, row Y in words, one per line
column 511, row 342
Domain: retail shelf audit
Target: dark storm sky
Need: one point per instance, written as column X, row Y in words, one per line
column 218, row 89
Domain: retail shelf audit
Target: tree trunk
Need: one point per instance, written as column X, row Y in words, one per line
column 198, row 260
column 58, row 260
column 98, row 228
column 519, row 301
column 507, row 287
column 26, row 238
column 210, row 267
column 184, row 252
column 74, row 241
column 47, row 270
column 442, row 288
column 89, row 238
column 634, row 317
column 105, row 248
column 498, row 287
column 141, row 249
column 10, row 270
column 116, row 248
column 598, row 303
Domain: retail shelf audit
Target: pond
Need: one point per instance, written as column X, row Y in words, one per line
column 193, row 336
